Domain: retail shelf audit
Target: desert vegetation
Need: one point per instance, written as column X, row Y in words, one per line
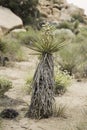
column 67, row 67
column 5, row 85
column 43, row 81
column 43, row 71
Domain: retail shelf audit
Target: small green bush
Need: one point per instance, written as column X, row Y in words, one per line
column 26, row 37
column 2, row 45
column 10, row 46
column 66, row 25
column 62, row 81
column 69, row 58
column 73, row 57
column 28, row 85
column 78, row 17
column 73, row 26
column 5, row 85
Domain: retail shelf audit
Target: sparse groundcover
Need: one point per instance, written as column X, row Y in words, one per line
column 0, row 124
column 73, row 26
column 45, row 44
column 82, row 126
column 28, row 84
column 59, row 110
column 10, row 47
column 78, row 17
column 5, row 85
column 62, row 81
column 81, row 41
column 26, row 38
column 73, row 57
column 2, row 45
column 69, row 60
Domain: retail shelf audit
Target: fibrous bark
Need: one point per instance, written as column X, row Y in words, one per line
column 42, row 95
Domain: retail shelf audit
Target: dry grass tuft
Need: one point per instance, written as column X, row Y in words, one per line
column 59, row 111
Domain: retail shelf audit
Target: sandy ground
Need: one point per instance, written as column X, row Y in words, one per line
column 75, row 100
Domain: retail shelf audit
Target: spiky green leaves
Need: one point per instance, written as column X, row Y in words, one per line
column 47, row 41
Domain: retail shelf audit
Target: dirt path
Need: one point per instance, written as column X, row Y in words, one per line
column 75, row 99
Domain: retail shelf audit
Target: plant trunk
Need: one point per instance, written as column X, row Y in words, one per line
column 42, row 91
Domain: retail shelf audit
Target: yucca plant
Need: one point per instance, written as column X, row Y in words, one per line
column 45, row 43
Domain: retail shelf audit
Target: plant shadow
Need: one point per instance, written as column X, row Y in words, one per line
column 10, row 102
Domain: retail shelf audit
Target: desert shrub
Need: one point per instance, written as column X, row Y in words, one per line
column 28, row 84
column 81, row 41
column 62, row 81
column 69, row 58
column 5, row 85
column 78, row 17
column 73, row 26
column 65, row 24
column 73, row 57
column 11, row 48
column 2, row 45
column 20, row 55
column 26, row 37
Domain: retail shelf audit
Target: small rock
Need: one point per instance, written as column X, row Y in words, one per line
column 9, row 20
